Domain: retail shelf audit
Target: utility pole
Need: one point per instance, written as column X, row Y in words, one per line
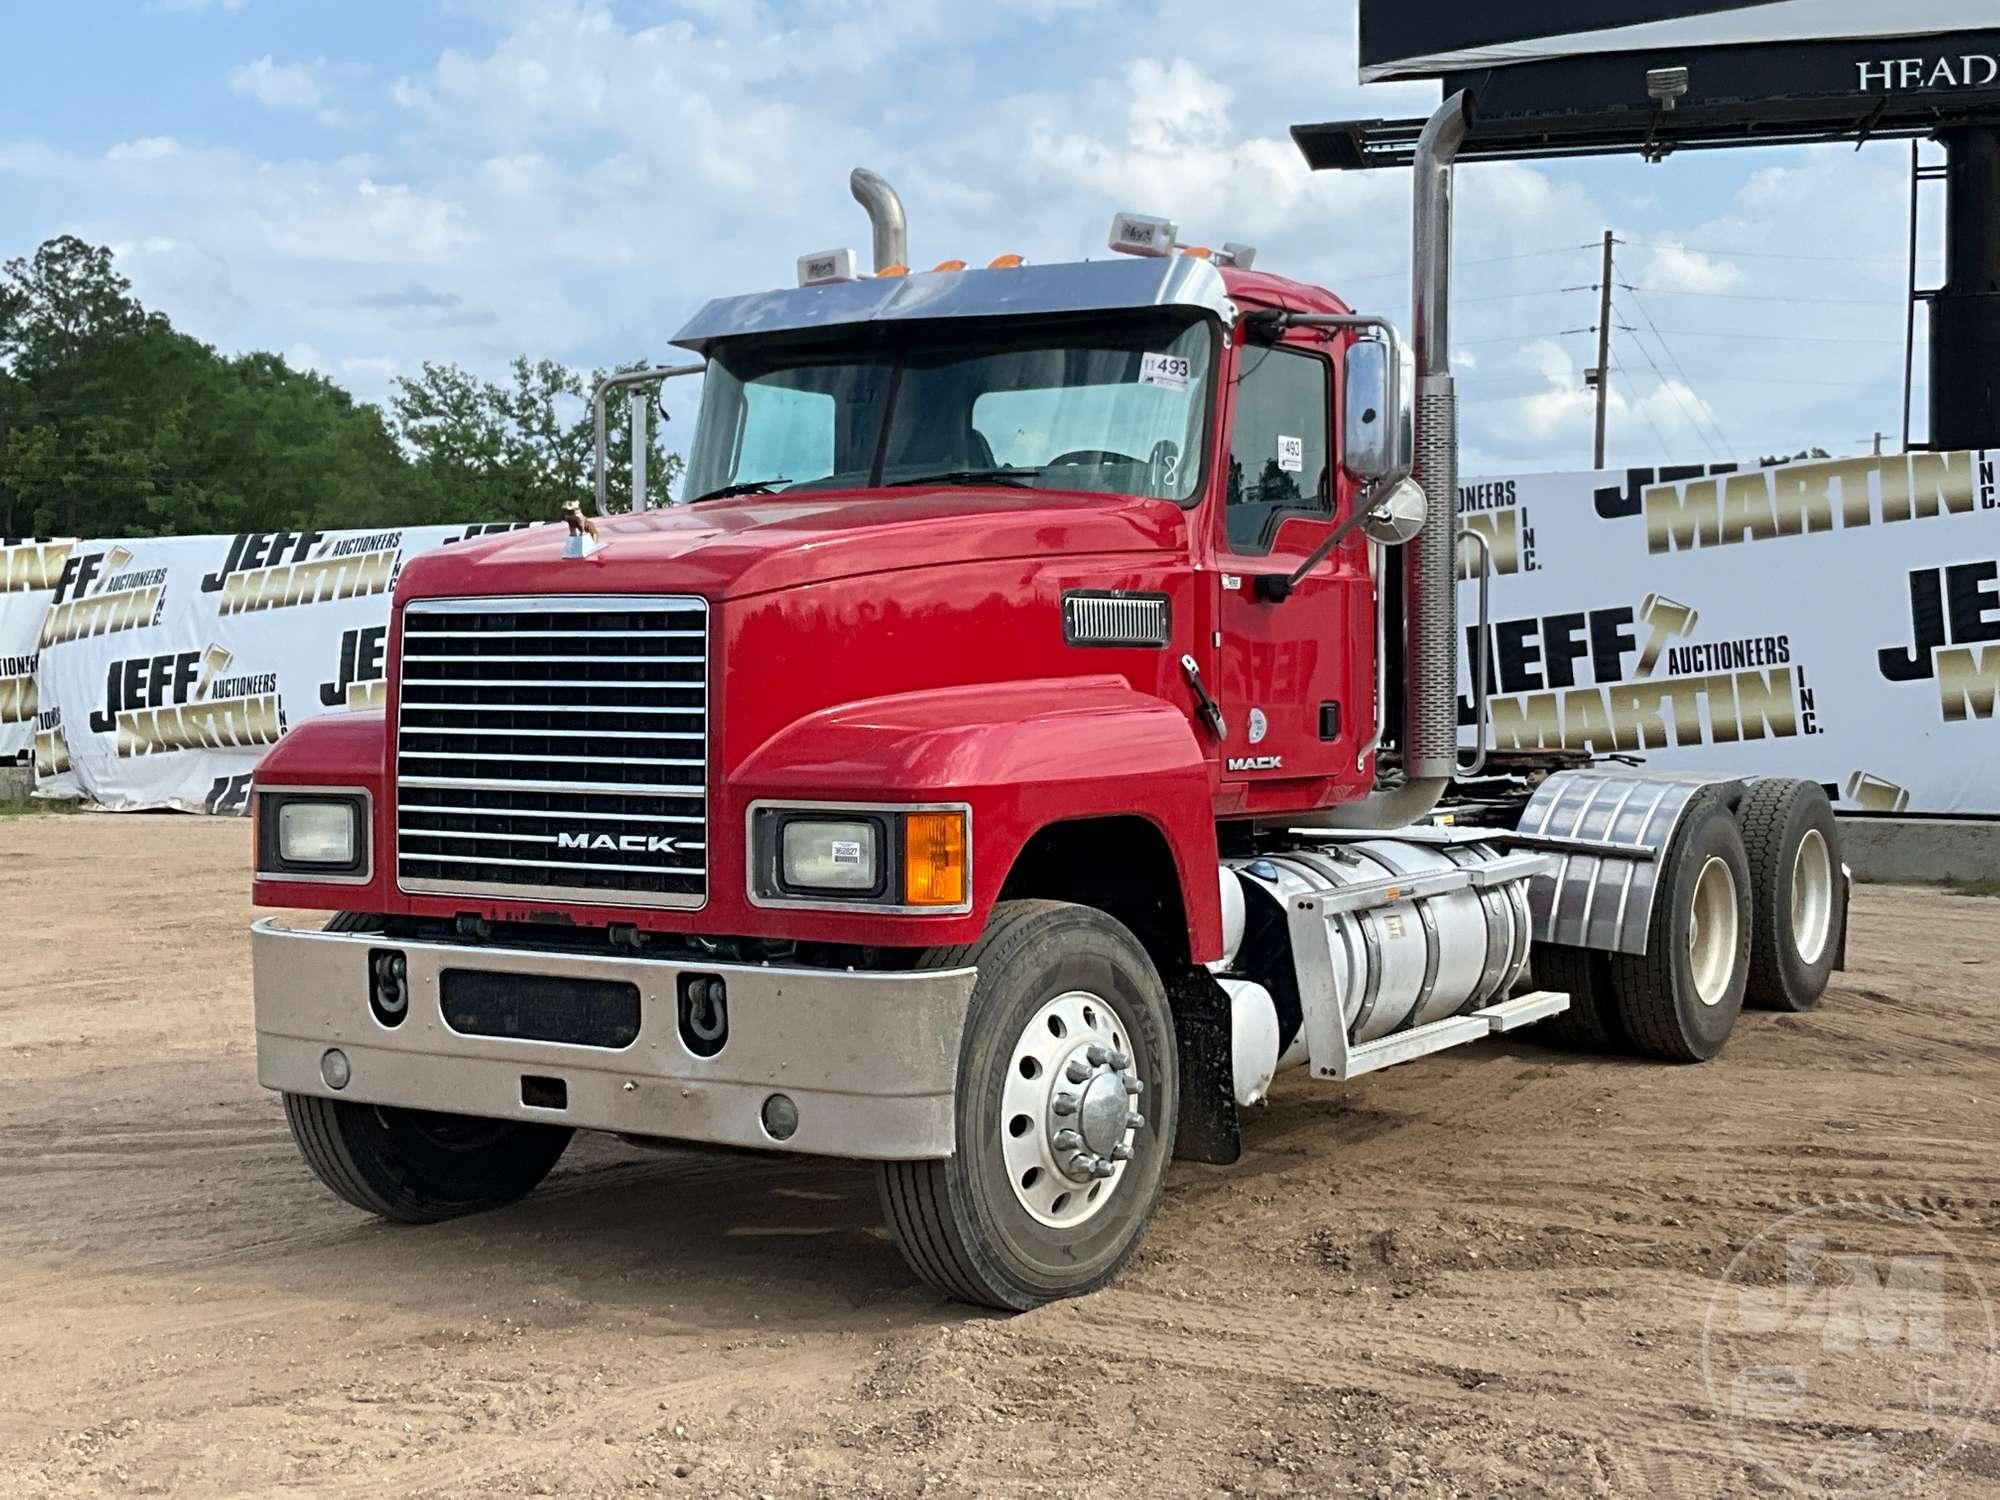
column 1602, row 373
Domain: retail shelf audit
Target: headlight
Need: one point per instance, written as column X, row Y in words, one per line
column 312, row 835
column 899, row 859
column 831, row 856
column 316, row 833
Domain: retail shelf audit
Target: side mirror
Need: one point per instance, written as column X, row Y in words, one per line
column 1379, row 423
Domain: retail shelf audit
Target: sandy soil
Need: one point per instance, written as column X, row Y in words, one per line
column 1481, row 1273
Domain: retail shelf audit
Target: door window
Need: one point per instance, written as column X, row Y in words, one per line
column 1278, row 451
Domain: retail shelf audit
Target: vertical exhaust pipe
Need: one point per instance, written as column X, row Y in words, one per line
column 885, row 216
column 1430, row 563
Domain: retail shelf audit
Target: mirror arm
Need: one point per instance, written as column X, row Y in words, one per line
column 1276, row 588
column 652, row 375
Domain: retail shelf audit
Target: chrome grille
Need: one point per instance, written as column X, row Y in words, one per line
column 554, row 747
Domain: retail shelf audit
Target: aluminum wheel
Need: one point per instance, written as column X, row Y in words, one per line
column 1812, row 897
column 1069, row 1110
column 1712, row 931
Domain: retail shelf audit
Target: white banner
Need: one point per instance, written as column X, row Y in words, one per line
column 168, row 666
column 1836, row 620
column 28, row 573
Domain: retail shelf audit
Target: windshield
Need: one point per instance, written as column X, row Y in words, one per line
column 1117, row 409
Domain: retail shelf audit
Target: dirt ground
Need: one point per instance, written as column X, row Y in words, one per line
column 1481, row 1273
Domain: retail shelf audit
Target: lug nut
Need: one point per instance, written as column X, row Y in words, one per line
column 1067, row 1140
column 1083, row 1164
column 1121, row 1152
column 1133, row 1086
column 1120, row 1062
column 1098, row 1056
column 1101, row 1169
column 1063, row 1104
column 1078, row 1071
column 1135, row 1121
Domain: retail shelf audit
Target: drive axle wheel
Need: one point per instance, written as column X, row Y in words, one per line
column 1795, row 880
column 1064, row 1114
column 1680, row 999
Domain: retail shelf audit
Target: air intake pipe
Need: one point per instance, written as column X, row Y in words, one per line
column 1430, row 563
column 885, row 216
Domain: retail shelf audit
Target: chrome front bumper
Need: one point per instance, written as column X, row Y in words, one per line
column 870, row 1059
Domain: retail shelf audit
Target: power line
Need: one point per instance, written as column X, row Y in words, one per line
column 1486, row 260
column 1842, row 260
column 1667, row 291
column 1772, row 338
column 1674, row 391
column 1664, row 446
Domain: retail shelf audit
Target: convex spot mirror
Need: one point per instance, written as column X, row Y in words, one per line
column 1398, row 516
column 1379, row 391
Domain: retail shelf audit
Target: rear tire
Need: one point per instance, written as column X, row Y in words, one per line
column 1679, row 1000
column 1007, row 1222
column 1589, row 1025
column 416, row 1167
column 1800, row 919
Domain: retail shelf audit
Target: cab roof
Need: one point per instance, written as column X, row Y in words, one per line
column 1120, row 283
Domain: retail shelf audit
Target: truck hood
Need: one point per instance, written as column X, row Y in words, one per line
column 756, row 544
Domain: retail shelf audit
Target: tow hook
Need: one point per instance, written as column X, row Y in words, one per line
column 704, row 1014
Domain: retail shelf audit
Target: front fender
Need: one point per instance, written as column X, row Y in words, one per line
column 1025, row 755
column 333, row 750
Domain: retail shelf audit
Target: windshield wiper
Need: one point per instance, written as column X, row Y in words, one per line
column 741, row 487
column 1017, row 477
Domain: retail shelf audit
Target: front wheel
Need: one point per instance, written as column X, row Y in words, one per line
column 1065, row 1113
column 417, row 1167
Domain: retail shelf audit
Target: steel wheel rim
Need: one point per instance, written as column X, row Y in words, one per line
column 1812, row 896
column 1713, row 931
column 1064, row 1145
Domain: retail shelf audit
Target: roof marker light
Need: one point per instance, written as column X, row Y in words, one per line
column 1196, row 252
column 1142, row 234
column 827, row 266
column 892, row 271
column 949, row 265
column 1006, row 262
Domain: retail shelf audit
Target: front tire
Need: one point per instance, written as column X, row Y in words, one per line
column 1051, row 1183
column 416, row 1167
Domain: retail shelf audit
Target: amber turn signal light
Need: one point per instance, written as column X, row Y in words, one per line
column 934, row 859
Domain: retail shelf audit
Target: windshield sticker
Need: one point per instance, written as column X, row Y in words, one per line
column 1291, row 454
column 1173, row 371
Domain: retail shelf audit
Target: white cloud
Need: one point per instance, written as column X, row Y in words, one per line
column 300, row 88
column 1675, row 268
column 278, row 85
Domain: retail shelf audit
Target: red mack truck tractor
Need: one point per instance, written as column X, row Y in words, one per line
column 1040, row 727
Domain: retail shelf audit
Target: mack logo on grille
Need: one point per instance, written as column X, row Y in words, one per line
column 624, row 843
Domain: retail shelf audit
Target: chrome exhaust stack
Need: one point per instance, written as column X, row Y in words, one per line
column 885, row 217
column 1430, row 563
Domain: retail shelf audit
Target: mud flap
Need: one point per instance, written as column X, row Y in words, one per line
column 1209, row 1130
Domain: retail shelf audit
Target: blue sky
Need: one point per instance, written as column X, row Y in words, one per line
column 363, row 186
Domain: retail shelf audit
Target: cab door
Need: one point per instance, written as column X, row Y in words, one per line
column 1295, row 678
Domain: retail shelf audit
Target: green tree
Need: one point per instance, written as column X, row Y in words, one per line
column 522, row 449
column 112, row 423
